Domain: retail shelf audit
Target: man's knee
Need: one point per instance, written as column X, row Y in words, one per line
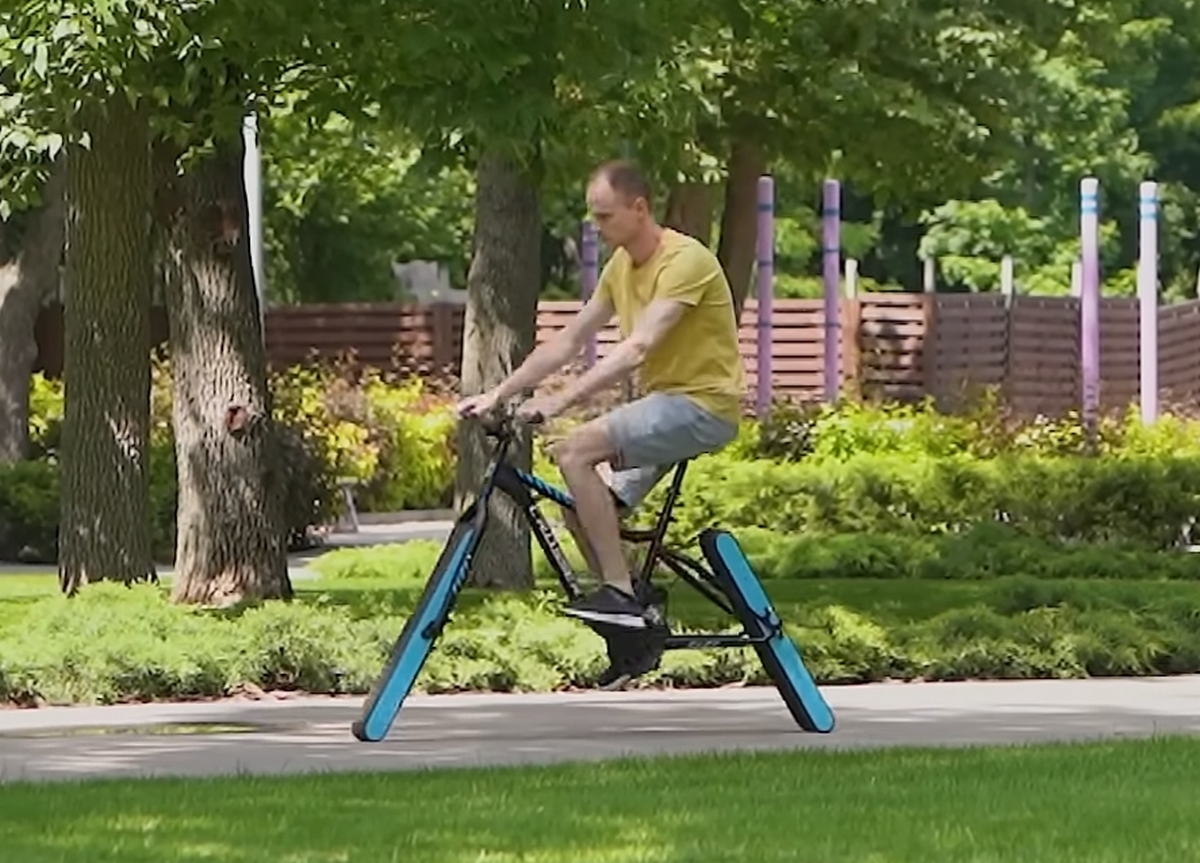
column 583, row 449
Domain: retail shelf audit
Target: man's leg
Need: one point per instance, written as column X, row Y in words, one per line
column 641, row 440
column 578, row 457
column 571, row 520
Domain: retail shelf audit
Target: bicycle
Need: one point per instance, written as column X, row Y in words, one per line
column 729, row 582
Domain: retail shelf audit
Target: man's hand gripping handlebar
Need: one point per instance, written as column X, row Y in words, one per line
column 501, row 421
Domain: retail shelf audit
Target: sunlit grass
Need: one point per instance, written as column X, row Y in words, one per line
column 1117, row 801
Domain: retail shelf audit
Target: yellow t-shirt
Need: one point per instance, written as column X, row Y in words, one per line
column 699, row 356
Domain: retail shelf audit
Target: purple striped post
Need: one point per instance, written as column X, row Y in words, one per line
column 590, row 275
column 766, row 291
column 831, row 248
column 1147, row 285
column 1089, row 301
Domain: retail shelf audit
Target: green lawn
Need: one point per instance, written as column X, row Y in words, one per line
column 889, row 601
column 1119, row 801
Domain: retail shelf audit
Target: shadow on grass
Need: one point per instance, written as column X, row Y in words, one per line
column 1121, row 801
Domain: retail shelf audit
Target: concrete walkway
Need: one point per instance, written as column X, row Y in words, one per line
column 313, row 734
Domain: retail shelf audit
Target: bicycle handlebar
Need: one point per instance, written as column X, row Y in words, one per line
column 502, row 422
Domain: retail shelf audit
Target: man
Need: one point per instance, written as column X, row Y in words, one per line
column 679, row 333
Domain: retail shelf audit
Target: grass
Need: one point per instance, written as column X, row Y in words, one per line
column 1067, row 803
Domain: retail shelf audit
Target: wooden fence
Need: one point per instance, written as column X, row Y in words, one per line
column 891, row 345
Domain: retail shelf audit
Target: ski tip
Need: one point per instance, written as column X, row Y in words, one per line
column 359, row 730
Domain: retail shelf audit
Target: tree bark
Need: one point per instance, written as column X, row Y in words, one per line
column 690, row 210
column 26, row 278
column 739, row 219
column 231, row 542
column 105, row 526
column 499, row 332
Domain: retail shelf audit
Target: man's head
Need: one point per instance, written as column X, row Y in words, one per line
column 618, row 196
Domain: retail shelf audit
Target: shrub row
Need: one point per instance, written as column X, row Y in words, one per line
column 1147, row 501
column 985, row 427
column 849, row 467
column 393, row 437
column 114, row 644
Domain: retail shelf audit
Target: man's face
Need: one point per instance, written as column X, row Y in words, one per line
column 619, row 220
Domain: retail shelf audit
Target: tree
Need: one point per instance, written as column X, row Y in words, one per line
column 231, row 543
column 1102, row 102
column 902, row 97
column 126, row 85
column 346, row 199
column 56, row 60
column 31, row 246
column 494, row 84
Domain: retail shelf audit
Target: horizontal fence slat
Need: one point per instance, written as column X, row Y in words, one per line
column 897, row 344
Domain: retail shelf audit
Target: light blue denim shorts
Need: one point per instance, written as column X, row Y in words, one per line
column 653, row 434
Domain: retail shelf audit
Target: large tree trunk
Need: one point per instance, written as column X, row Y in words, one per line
column 502, row 295
column 739, row 219
column 231, row 542
column 105, row 527
column 27, row 276
column 690, row 210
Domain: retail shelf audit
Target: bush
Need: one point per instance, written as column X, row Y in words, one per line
column 393, row 436
column 29, row 494
column 114, row 644
column 851, row 467
column 1139, row 500
column 984, row 428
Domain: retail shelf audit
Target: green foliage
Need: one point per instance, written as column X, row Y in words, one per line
column 113, row 643
column 345, row 199
column 984, row 428
column 969, row 238
column 394, row 438
column 1137, row 500
column 29, row 494
column 904, row 468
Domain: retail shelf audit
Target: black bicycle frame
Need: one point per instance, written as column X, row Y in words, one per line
column 527, row 490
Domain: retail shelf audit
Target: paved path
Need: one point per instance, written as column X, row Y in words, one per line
column 312, row 734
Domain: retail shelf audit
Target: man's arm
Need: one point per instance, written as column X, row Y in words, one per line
column 655, row 323
column 564, row 346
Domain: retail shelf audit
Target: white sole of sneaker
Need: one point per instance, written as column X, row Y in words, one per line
column 629, row 621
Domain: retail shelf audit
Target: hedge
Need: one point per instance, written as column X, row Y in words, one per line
column 1147, row 501
column 113, row 644
column 846, row 468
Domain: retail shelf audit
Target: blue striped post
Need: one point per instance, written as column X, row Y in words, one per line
column 766, row 291
column 1147, row 286
column 831, row 250
column 1089, row 301
column 590, row 275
